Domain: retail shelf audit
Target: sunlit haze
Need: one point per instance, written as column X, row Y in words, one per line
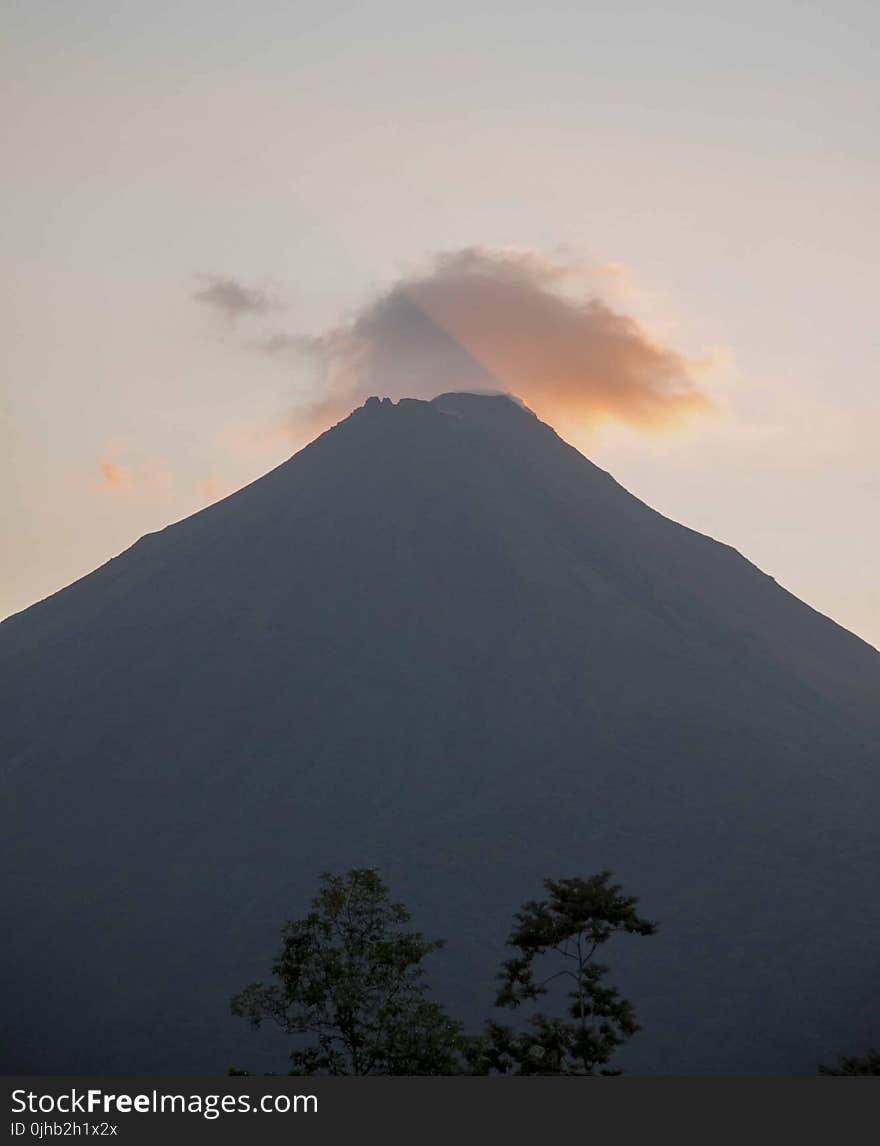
column 227, row 224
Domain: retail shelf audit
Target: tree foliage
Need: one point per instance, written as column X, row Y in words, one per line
column 350, row 978
column 556, row 939
column 867, row 1064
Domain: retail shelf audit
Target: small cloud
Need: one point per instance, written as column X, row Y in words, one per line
column 486, row 319
column 116, row 477
column 214, row 489
column 231, row 299
column 277, row 344
column 150, row 478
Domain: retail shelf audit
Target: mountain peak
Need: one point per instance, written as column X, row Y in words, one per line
column 499, row 414
column 441, row 641
column 460, row 402
column 476, row 399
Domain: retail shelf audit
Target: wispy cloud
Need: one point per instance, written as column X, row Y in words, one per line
column 279, row 343
column 514, row 321
column 214, row 488
column 150, row 478
column 116, row 477
column 232, row 299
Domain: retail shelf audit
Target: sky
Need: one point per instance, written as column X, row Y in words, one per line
column 226, row 222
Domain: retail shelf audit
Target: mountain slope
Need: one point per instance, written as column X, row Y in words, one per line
column 441, row 641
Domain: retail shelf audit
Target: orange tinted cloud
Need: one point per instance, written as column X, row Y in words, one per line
column 214, row 489
column 578, row 357
column 150, row 478
column 115, row 477
column 484, row 319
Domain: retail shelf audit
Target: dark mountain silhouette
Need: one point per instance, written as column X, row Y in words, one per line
column 440, row 641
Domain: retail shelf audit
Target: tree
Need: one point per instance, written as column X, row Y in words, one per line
column 350, row 976
column 868, row 1063
column 556, row 939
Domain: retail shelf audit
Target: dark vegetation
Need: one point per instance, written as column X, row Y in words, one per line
column 350, row 988
column 867, row 1064
column 556, row 940
column 441, row 641
column 350, row 980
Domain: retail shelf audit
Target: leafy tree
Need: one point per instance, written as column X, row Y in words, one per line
column 556, row 939
column 350, row 976
column 867, row 1064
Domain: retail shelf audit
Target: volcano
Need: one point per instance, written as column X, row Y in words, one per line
column 438, row 641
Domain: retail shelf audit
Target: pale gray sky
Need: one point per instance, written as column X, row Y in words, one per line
column 714, row 165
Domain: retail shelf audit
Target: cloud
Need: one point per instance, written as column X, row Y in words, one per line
column 149, row 479
column 231, row 299
column 501, row 320
column 214, row 488
column 116, row 477
column 279, row 343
